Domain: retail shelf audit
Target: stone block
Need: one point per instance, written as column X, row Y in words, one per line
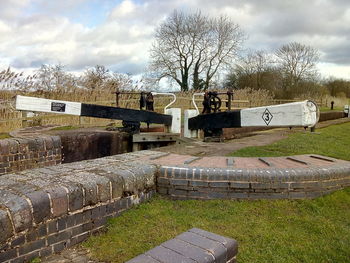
column 297, row 195
column 8, row 254
column 86, row 181
column 179, row 182
column 18, row 241
column 116, row 180
column 45, row 252
column 162, row 190
column 59, row 246
column 87, row 226
column 55, row 238
column 41, row 206
column 52, row 227
column 31, row 246
column 197, row 174
column 162, row 180
column 75, row 197
column 244, row 185
column 238, row 195
column 62, row 223
column 231, row 245
column 197, row 194
column 59, row 200
column 77, row 230
column 258, row 185
column 19, row 209
column 78, row 239
column 219, row 175
column 129, row 179
column 219, row 184
column 143, row 259
column 163, row 254
column 198, row 183
column 188, row 250
column 217, row 249
column 268, row 195
column 306, row 185
column 217, row 195
column 48, row 143
column 6, row 229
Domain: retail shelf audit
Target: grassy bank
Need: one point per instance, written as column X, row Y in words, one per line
column 267, row 231
column 333, row 141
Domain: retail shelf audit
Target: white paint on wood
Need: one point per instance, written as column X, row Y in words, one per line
column 176, row 122
column 304, row 113
column 187, row 132
column 46, row 105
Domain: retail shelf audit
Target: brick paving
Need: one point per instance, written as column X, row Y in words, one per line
column 299, row 161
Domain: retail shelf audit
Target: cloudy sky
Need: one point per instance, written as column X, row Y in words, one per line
column 118, row 33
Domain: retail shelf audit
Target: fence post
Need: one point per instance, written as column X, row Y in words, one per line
column 24, row 121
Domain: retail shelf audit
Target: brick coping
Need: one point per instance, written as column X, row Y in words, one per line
column 194, row 245
column 45, row 210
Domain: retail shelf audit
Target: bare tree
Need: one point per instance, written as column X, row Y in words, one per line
column 255, row 70
column 191, row 48
column 253, row 67
column 119, row 81
column 95, row 77
column 297, row 63
column 54, row 77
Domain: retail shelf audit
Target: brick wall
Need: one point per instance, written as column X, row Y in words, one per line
column 331, row 115
column 54, row 235
column 83, row 145
column 18, row 154
column 209, row 183
column 45, row 210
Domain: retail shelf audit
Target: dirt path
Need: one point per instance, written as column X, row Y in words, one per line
column 259, row 138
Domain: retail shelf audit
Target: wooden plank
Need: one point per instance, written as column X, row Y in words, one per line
column 108, row 112
column 302, row 114
column 226, row 119
column 90, row 110
column 45, row 105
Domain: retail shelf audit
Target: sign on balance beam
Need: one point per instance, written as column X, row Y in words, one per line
column 90, row 110
column 296, row 114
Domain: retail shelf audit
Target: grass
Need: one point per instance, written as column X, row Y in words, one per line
column 65, row 128
column 333, row 141
column 324, row 109
column 267, row 231
column 4, row 135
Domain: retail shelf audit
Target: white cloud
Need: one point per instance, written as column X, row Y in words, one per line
column 123, row 39
column 10, row 9
column 126, row 8
column 333, row 70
